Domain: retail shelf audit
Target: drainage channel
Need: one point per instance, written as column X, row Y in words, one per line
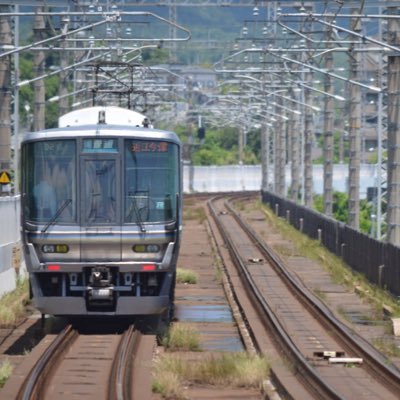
column 203, row 304
column 214, row 323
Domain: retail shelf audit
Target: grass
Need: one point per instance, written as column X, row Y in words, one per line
column 240, row 205
column 285, row 251
column 309, row 248
column 182, row 337
column 168, row 385
column 12, row 305
column 225, row 370
column 5, row 372
column 186, row 276
column 387, row 347
column 338, row 270
column 320, row 294
column 218, row 274
column 189, row 202
column 194, row 213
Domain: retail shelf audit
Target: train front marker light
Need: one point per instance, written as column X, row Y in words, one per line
column 153, row 248
column 149, row 267
column 146, row 248
column 55, row 248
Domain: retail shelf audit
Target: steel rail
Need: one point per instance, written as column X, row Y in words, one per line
column 33, row 385
column 120, row 384
column 315, row 382
column 372, row 358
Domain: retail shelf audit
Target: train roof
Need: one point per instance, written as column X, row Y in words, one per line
column 109, row 114
column 91, row 128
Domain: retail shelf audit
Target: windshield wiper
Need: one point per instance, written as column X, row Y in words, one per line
column 57, row 214
column 137, row 213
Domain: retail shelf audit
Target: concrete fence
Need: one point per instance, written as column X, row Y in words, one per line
column 231, row 178
column 10, row 243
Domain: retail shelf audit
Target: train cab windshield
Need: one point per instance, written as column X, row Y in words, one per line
column 50, row 181
column 96, row 181
column 151, row 181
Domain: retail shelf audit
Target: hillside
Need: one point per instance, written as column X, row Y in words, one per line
column 211, row 28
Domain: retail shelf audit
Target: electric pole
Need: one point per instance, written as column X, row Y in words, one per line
column 308, row 140
column 393, row 170
column 294, row 135
column 264, row 156
column 38, row 66
column 328, row 134
column 5, row 99
column 280, row 151
column 354, row 135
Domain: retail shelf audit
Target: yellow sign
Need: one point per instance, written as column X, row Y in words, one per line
column 4, row 178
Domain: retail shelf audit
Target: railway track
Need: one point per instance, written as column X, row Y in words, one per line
column 298, row 324
column 88, row 366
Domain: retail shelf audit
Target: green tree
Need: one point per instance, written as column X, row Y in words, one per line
column 341, row 206
column 341, row 210
column 155, row 56
column 336, row 148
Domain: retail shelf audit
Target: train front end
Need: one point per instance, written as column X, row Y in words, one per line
column 101, row 219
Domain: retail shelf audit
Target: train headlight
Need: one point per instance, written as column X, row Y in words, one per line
column 146, row 248
column 139, row 248
column 55, row 248
column 153, row 248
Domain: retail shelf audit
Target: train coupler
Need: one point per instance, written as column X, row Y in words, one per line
column 100, row 291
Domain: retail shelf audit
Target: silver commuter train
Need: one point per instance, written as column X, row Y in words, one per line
column 101, row 214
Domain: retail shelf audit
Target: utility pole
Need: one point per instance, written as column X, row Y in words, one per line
column 343, row 128
column 382, row 123
column 38, row 62
column 308, row 140
column 294, row 135
column 308, row 128
column 354, row 134
column 265, row 148
column 328, row 134
column 277, row 154
column 283, row 157
column 241, row 144
column 264, row 156
column 5, row 99
column 63, row 89
column 393, row 170
column 294, row 140
column 280, row 150
column 16, row 124
column 172, row 17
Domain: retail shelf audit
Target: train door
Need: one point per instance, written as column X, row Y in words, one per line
column 100, row 207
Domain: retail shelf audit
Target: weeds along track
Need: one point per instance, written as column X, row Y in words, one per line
column 91, row 366
column 322, row 358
